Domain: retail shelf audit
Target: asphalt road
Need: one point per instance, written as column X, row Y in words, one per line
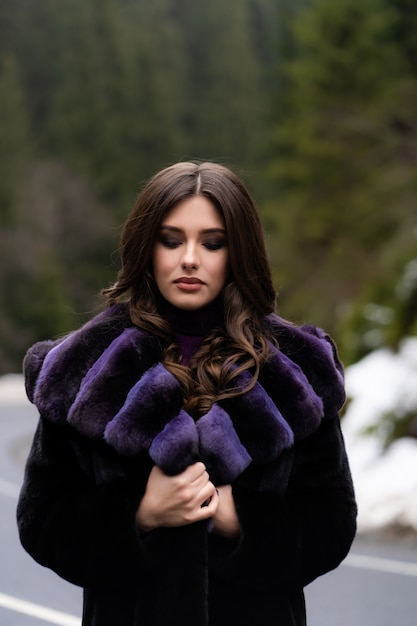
column 375, row 586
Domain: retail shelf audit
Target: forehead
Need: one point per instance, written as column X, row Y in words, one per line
column 197, row 212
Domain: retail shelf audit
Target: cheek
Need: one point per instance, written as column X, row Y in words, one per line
column 158, row 267
column 222, row 269
column 161, row 263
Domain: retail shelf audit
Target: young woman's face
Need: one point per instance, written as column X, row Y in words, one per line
column 190, row 257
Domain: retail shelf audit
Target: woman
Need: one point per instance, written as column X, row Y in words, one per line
column 188, row 467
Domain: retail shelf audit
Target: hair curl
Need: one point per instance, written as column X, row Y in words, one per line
column 248, row 296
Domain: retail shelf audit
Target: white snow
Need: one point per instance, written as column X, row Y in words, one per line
column 382, row 383
column 12, row 390
column 385, row 480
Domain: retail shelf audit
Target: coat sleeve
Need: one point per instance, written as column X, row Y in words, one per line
column 292, row 538
column 82, row 528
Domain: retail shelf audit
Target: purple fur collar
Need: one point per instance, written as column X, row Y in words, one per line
column 107, row 381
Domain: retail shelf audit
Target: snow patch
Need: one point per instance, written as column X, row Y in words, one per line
column 382, row 383
column 12, row 390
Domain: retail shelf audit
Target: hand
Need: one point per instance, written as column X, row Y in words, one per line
column 225, row 519
column 177, row 500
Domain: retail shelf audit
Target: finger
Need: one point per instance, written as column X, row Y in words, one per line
column 210, row 509
column 214, row 498
column 206, row 494
column 196, row 470
column 197, row 466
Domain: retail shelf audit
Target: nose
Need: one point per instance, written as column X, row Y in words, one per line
column 190, row 257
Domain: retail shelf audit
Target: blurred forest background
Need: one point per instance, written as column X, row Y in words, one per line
column 312, row 102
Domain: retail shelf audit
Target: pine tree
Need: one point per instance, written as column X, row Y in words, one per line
column 15, row 144
column 334, row 162
column 226, row 113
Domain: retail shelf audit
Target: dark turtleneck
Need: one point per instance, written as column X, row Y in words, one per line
column 191, row 327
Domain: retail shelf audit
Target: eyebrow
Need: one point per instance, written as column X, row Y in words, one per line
column 205, row 231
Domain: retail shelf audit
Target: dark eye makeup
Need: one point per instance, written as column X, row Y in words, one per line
column 212, row 244
column 169, row 242
column 215, row 244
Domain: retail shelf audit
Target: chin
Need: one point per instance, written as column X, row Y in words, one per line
column 189, row 306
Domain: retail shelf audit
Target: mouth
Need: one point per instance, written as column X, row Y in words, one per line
column 188, row 283
column 189, row 280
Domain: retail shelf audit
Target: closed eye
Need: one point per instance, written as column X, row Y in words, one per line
column 215, row 244
column 170, row 243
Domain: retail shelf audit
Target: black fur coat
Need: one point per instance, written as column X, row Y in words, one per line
column 110, row 410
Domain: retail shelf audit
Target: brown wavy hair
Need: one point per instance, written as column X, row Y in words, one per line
column 248, row 296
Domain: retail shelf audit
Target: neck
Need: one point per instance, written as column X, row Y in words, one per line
column 191, row 327
column 198, row 322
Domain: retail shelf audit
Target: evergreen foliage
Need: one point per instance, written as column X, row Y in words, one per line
column 313, row 102
column 345, row 190
column 14, row 136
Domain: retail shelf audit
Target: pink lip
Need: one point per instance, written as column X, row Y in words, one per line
column 188, row 283
column 190, row 280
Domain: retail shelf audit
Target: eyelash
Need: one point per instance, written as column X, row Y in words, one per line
column 170, row 243
column 212, row 246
